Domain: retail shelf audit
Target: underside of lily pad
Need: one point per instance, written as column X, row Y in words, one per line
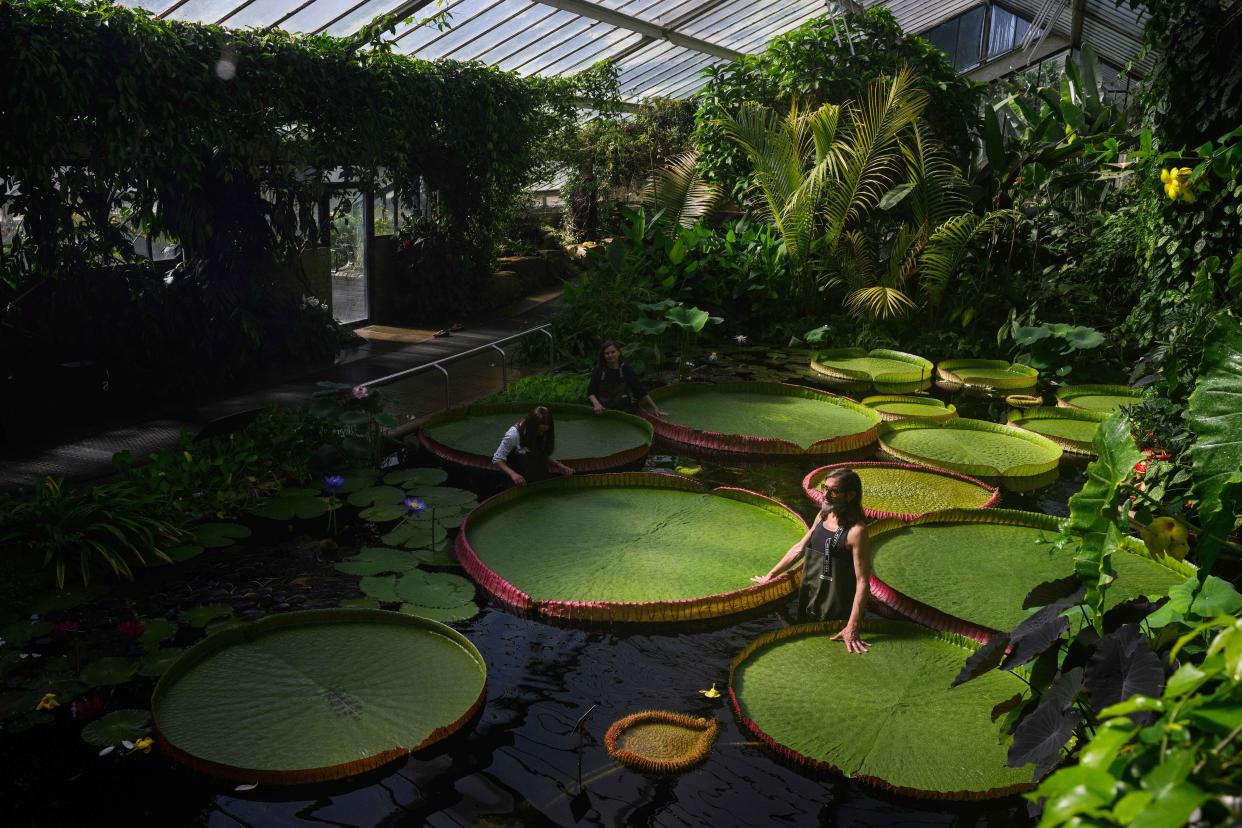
column 762, row 418
column 1070, row 428
column 969, row 571
column 904, row 406
column 1024, row 400
column 311, row 696
column 988, row 373
column 889, row 372
column 661, row 741
column 905, row 491
column 1098, row 397
column 585, row 441
column 888, row 717
column 973, row 447
column 630, row 547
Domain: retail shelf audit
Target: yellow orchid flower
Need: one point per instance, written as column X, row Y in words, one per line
column 48, row 702
column 711, row 692
column 144, row 744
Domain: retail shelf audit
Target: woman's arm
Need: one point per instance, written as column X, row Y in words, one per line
column 506, row 447
column 555, row 465
column 593, row 391
column 637, row 389
column 790, row 556
column 860, row 544
column 507, row 469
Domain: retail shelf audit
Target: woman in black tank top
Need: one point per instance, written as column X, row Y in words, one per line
column 836, row 560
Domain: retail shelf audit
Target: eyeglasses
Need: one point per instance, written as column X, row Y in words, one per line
column 833, row 492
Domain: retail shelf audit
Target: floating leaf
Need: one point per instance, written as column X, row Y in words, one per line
column 383, row 514
column 218, row 535
column 443, row 614
column 286, row 507
column 376, row 560
column 117, row 727
column 415, row 534
column 433, row 589
column 200, row 616
column 360, row 603
column 413, row 478
column 109, row 670
column 439, row 496
column 154, row 665
column 380, row 587
column 356, row 480
column 157, row 630
column 377, row 496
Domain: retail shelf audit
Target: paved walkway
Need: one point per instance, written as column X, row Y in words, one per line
column 387, row 351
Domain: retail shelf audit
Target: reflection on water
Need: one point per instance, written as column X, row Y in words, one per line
column 521, row 764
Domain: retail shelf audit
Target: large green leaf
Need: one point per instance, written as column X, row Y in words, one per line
column 116, row 727
column 875, row 366
column 1098, row 397
column 407, row 478
column 580, row 433
column 434, row 589
column 109, row 670
column 1215, row 416
column 377, row 560
column 218, row 535
column 309, row 696
column 886, row 717
column 898, row 489
column 1095, row 511
column 973, row 447
column 989, row 373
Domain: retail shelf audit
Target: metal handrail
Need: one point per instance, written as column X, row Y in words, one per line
column 545, row 329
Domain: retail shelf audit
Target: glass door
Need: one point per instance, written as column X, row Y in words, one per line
column 348, row 241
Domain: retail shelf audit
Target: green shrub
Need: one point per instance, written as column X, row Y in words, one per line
column 544, row 388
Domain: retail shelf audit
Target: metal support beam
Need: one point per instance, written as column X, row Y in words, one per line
column 643, row 27
column 1076, row 15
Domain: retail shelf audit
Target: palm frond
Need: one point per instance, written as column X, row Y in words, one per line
column 878, row 302
column 680, row 193
column 949, row 245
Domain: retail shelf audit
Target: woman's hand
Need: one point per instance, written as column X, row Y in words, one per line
column 761, row 579
column 659, row 412
column 599, row 409
column 518, row 480
column 566, row 470
column 853, row 644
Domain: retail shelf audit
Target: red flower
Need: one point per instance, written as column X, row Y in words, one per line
column 131, row 629
column 1140, row 467
column 88, row 707
column 66, row 628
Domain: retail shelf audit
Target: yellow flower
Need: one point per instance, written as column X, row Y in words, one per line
column 1177, row 184
column 48, row 702
column 144, row 744
column 711, row 692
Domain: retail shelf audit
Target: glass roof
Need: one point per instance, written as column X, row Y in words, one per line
column 660, row 46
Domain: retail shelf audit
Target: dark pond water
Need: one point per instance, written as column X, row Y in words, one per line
column 523, row 763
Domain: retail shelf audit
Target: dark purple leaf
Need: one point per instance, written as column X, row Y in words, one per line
column 1064, row 691
column 1004, row 707
column 1044, row 670
column 1041, row 736
column 1050, row 591
column 1040, row 631
column 1124, row 664
column 983, row 659
column 1128, row 612
column 1081, row 649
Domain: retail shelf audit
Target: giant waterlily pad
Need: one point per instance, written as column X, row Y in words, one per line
column 1071, row 429
column 905, row 491
column 973, row 447
column 887, row 717
column 891, row 372
column 309, row 696
column 903, row 406
column 763, row 418
column 988, row 373
column 585, row 441
column 978, row 566
column 628, row 547
column 661, row 741
column 1106, row 398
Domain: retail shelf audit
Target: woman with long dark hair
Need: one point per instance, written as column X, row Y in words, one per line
column 615, row 385
column 525, row 453
column 836, row 560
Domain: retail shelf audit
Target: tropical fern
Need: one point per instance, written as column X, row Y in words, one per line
column 678, row 191
column 949, row 245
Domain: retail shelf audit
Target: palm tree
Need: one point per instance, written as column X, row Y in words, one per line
column 678, row 192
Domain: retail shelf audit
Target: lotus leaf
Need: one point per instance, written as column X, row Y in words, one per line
column 978, row 566
column 377, row 496
column 1105, row 398
column 154, row 665
column 311, row 696
column 899, row 407
column 581, row 435
column 201, row 616
column 763, row 418
column 376, row 560
column 288, row 506
column 434, row 589
column 413, row 478
column 901, row 490
column 971, row 447
column 109, row 670
column 988, row 373
column 116, row 727
column 659, row 542
column 1071, row 429
column 889, row 717
column 417, row 533
column 218, row 535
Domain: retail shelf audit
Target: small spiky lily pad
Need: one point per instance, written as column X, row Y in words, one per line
column 417, row 533
column 383, row 513
column 414, row 478
column 380, row 587
column 116, row 727
column 661, row 741
column 109, row 670
column 218, row 535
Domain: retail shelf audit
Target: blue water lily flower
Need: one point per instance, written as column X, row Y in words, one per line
column 414, row 506
column 334, row 483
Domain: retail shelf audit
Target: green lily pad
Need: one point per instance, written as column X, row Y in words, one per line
column 878, row 367
column 1072, row 429
column 200, row 616
column 180, row 554
column 116, row 727
column 972, row 447
column 157, row 630
column 377, row 496
column 218, row 535
column 360, row 603
column 65, row 599
column 286, row 507
column 376, row 560
column 1106, row 398
column 442, row 496
column 461, row 612
column 990, row 373
column 109, row 670
column 323, row 694
column 357, row 480
column 414, row 478
column 154, row 664
column 415, row 534
column 434, row 589
column 451, row 518
column 16, row 702
column 380, row 587
column 893, row 720
column 20, row 633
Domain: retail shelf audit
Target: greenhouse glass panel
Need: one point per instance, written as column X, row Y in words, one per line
column 521, row 61
column 267, row 12
column 756, row 40
column 361, row 16
column 536, row 38
column 615, row 41
column 492, row 14
column 729, row 16
column 686, row 79
column 969, row 39
column 1006, row 32
column 596, row 40
column 522, row 16
column 206, row 10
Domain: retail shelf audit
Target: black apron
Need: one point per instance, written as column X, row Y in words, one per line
column 533, row 465
column 828, row 579
column 614, row 392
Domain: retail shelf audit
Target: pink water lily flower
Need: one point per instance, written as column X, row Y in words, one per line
column 360, row 392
